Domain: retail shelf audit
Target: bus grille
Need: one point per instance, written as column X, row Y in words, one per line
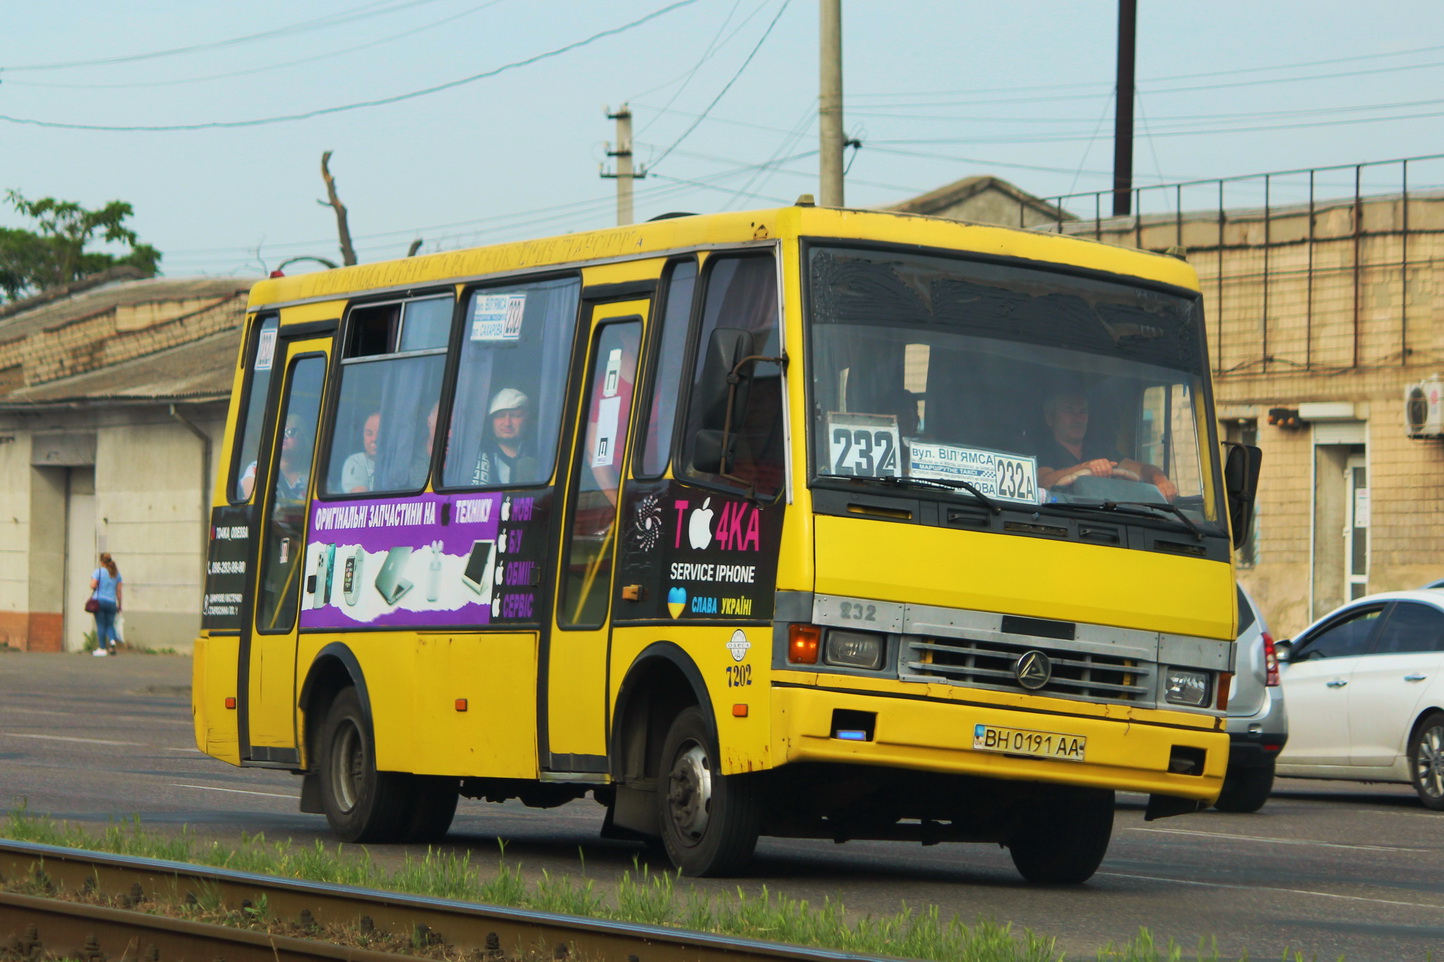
column 989, row 664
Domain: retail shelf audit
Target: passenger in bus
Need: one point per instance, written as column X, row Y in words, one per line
column 359, row 471
column 1067, row 454
column 505, row 456
column 295, row 462
column 421, row 463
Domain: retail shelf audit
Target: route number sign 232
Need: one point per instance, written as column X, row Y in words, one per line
column 863, row 445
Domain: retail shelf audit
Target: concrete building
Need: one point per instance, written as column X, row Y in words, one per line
column 113, row 394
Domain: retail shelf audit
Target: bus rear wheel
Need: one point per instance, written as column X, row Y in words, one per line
column 709, row 821
column 362, row 804
column 1063, row 840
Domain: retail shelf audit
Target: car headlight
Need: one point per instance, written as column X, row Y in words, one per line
column 1182, row 686
column 854, row 649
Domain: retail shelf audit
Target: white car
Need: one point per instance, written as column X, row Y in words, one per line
column 1365, row 690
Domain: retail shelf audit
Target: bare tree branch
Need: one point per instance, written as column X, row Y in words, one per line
column 348, row 253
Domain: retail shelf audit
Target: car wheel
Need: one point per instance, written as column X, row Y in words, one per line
column 361, row 804
column 1426, row 761
column 1063, row 841
column 1246, row 789
column 709, row 821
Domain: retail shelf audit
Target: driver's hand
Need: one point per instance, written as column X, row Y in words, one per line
column 1100, row 467
column 1166, row 487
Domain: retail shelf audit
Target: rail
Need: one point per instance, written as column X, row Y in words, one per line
column 35, row 926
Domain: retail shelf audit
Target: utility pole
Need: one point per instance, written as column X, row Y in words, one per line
column 625, row 174
column 1123, row 113
column 830, row 103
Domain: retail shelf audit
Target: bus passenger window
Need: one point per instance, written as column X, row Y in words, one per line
column 262, row 357
column 741, row 294
column 516, row 347
column 656, row 448
column 391, row 371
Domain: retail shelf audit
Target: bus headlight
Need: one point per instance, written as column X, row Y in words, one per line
column 854, row 649
column 1182, row 686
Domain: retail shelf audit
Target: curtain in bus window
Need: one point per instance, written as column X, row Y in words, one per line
column 742, row 294
column 262, row 360
column 410, row 389
column 656, row 447
column 515, row 354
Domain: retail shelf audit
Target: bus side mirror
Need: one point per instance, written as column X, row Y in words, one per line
column 1240, row 482
column 719, row 398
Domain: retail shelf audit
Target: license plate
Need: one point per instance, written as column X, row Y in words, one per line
column 1021, row 741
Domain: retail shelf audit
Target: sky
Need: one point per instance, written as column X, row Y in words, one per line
column 467, row 122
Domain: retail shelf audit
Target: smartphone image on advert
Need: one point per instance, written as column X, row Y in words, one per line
column 351, row 577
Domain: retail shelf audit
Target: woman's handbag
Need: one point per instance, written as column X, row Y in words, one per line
column 91, row 605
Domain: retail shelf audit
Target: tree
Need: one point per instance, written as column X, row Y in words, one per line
column 54, row 252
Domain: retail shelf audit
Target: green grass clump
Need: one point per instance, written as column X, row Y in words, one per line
column 641, row 896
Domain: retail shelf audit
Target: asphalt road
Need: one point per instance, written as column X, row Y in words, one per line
column 1332, row 869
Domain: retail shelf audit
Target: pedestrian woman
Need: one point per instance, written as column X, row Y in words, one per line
column 105, row 587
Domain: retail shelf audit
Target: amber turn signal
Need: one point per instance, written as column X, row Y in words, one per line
column 802, row 644
column 231, row 702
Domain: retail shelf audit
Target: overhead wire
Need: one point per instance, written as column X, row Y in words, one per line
column 397, row 98
column 184, row 81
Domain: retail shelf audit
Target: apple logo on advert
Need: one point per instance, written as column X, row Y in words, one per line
column 496, row 606
column 699, row 528
column 677, row 601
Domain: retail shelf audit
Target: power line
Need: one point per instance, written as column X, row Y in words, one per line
column 357, row 106
column 182, row 81
column 727, row 87
column 302, row 27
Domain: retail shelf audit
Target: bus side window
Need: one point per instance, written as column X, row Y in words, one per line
column 741, row 293
column 661, row 417
column 391, row 372
column 516, row 346
column 258, row 369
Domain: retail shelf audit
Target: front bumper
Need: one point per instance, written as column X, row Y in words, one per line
column 1127, row 749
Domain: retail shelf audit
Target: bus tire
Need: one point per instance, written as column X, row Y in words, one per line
column 709, row 821
column 433, row 806
column 362, row 804
column 1064, row 840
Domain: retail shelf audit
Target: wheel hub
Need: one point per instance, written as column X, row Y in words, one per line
column 1429, row 767
column 689, row 793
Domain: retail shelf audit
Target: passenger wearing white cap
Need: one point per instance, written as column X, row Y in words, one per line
column 501, row 460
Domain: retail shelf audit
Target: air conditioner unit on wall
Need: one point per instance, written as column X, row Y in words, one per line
column 1424, row 409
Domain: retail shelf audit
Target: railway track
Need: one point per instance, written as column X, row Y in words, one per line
column 39, row 926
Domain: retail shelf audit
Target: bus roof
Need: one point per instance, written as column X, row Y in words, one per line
column 701, row 231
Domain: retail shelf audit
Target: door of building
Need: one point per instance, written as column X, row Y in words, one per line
column 81, row 554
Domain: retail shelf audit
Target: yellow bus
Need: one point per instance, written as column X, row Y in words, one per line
column 801, row 522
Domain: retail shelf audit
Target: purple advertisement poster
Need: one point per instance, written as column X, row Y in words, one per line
column 418, row 561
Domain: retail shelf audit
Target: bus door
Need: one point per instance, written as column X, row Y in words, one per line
column 574, row 660
column 283, row 485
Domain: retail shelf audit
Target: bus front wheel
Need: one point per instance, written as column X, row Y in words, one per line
column 1063, row 840
column 362, row 804
column 709, row 821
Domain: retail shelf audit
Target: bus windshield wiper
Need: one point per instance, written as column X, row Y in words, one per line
column 1173, row 509
column 948, row 484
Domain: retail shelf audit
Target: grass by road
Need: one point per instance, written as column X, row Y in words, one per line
column 641, row 896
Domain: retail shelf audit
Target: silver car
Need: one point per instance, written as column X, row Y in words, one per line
column 1258, row 727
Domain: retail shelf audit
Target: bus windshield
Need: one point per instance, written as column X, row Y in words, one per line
column 1025, row 386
